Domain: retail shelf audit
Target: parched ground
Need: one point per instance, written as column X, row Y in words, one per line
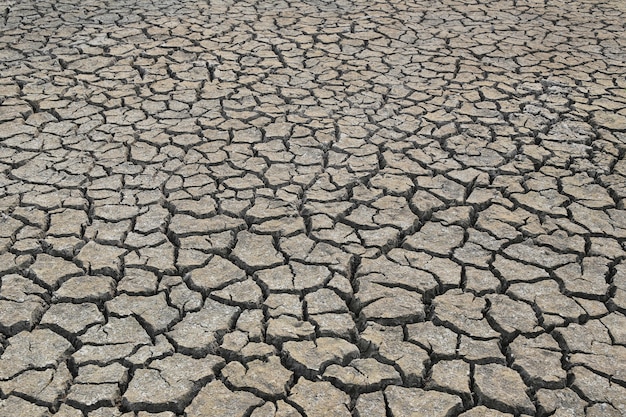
column 313, row 208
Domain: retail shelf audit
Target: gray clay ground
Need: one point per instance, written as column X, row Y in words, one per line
column 312, row 208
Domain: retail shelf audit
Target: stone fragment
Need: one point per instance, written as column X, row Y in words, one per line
column 160, row 258
column 21, row 312
column 411, row 360
column 307, row 277
column 556, row 308
column 598, row 389
column 546, row 201
column 616, row 324
column 266, row 410
column 388, row 305
column 443, row 188
column 68, row 223
column 115, row 212
column 185, row 299
column 252, row 322
column 116, row 331
column 582, row 337
column 67, row 411
column 341, row 325
column 605, row 360
column 138, row 282
column 481, row 281
column 603, row 410
column 152, row 220
column 185, row 225
column 281, row 409
column 609, row 224
column 104, row 354
column 160, row 348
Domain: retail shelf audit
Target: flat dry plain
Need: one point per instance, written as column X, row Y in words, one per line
column 386, row 208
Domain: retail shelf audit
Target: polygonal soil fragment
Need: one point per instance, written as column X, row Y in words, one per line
column 93, row 395
column 218, row 273
column 86, row 288
column 153, row 310
column 267, row 378
column 502, row 388
column 416, row 402
column 463, row 312
column 245, row 293
column 312, row 357
column 436, row 238
column 38, row 349
column 370, row 404
column 16, row 406
column 197, row 333
column 452, row 377
column 170, row 383
column 320, row 399
column 389, row 344
column 286, row 328
column 217, row 400
column 72, row 318
column 46, row 386
column 101, row 259
column 256, row 251
column 362, row 375
column 539, row 359
column 51, row 271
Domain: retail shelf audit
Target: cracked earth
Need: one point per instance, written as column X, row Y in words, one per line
column 312, row 208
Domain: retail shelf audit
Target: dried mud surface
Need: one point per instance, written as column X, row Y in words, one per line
column 312, row 208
